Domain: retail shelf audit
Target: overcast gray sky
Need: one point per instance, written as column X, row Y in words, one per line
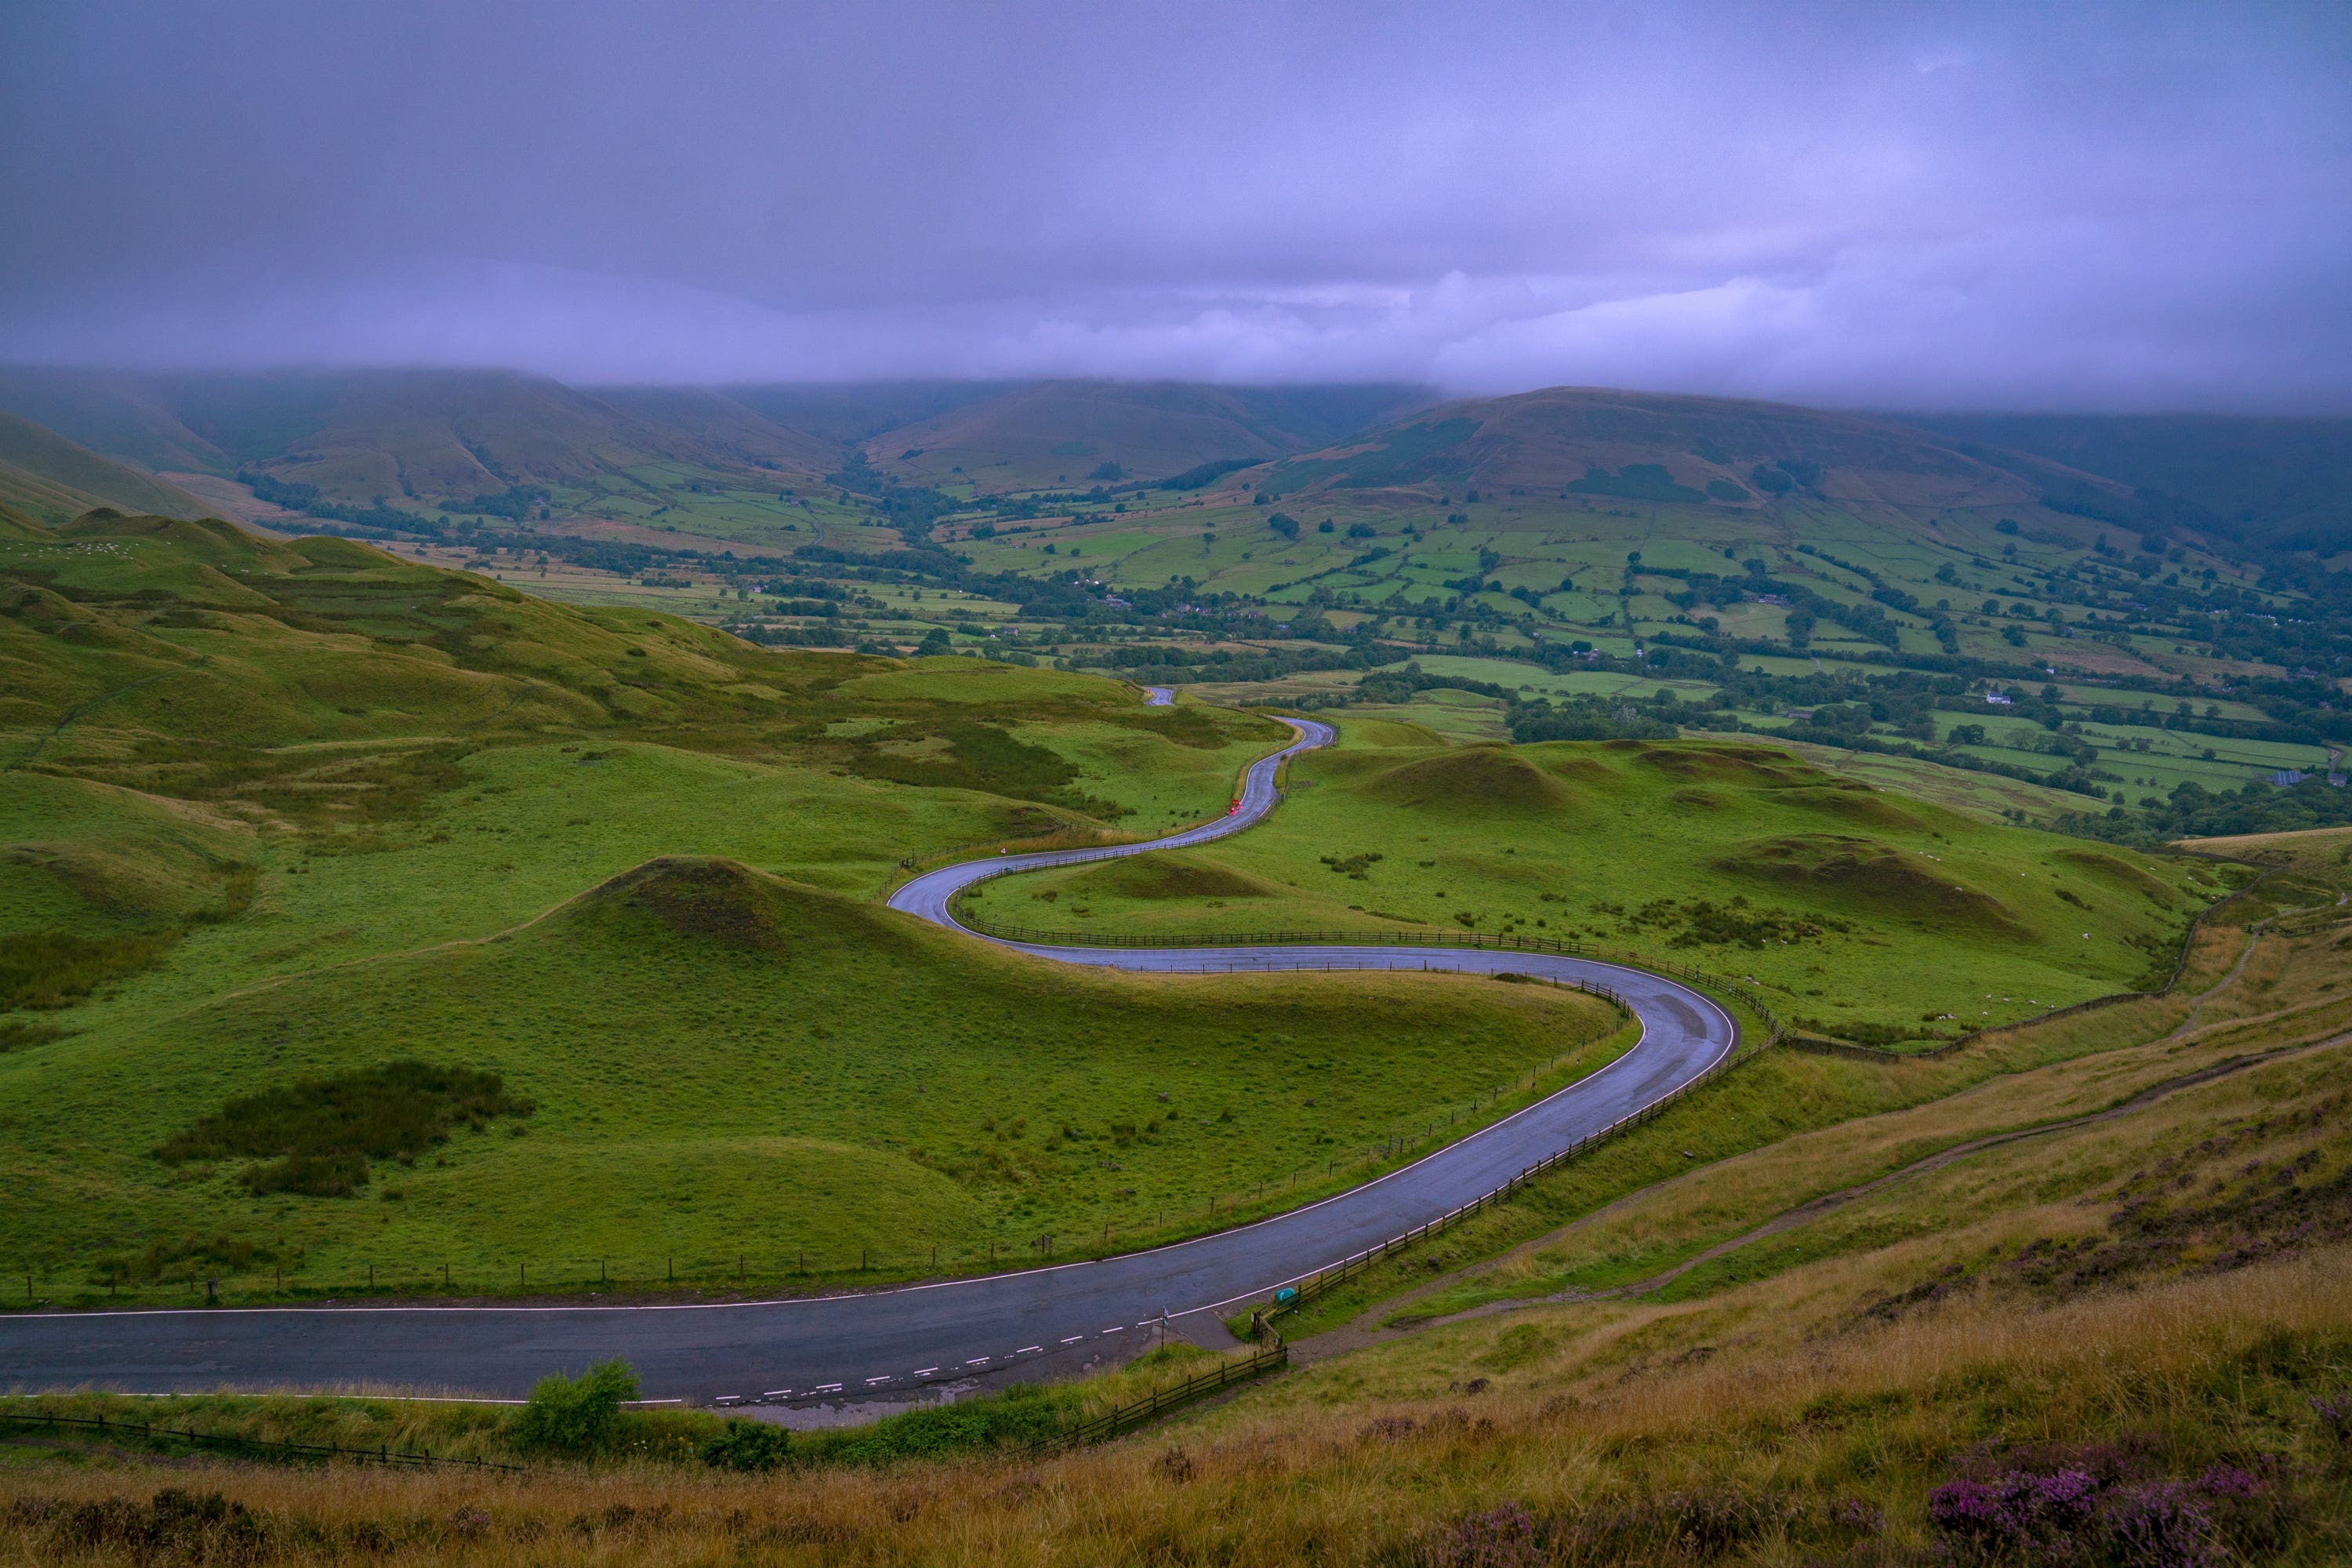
column 2133, row 205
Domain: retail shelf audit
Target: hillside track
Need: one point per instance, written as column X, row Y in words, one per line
column 880, row 1345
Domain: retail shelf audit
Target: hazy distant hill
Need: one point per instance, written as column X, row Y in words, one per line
column 424, row 440
column 410, row 436
column 127, row 418
column 2285, row 482
column 49, row 479
column 846, row 413
column 725, row 424
column 1074, row 431
column 1593, row 442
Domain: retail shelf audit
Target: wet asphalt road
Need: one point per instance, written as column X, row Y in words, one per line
column 890, row 1343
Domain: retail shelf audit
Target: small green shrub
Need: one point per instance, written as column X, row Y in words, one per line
column 575, row 1415
column 746, row 1445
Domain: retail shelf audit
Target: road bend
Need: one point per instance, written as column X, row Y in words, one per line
column 880, row 1345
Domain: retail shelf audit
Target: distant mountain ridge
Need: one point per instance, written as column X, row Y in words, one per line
column 419, row 437
column 429, row 440
column 1077, row 432
column 1660, row 448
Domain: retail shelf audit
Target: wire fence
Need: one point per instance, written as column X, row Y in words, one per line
column 145, row 1431
column 1267, row 1357
column 1324, row 1280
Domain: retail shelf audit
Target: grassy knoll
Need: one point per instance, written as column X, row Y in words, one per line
column 1870, row 915
column 724, row 1064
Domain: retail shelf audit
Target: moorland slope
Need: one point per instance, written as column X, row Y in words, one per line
column 47, row 477
column 1105, row 432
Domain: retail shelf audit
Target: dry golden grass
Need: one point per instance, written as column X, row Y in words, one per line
column 2200, row 1369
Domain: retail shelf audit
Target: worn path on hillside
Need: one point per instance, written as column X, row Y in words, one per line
column 879, row 1343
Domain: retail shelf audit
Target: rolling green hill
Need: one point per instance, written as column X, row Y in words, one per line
column 713, row 1076
column 1867, row 915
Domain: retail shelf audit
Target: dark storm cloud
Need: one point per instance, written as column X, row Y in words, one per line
column 2120, row 206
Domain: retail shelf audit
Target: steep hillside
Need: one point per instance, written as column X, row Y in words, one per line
column 1075, row 432
column 123, row 415
column 49, row 478
column 2281, row 482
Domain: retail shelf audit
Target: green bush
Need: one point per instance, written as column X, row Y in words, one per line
column 746, row 1445
column 575, row 1415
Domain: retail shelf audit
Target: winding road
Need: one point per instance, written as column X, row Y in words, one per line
column 879, row 1344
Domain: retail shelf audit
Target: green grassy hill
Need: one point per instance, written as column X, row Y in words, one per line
column 47, row 477
column 715, row 1072
column 725, row 426
column 1079, row 432
column 1865, row 914
column 262, row 801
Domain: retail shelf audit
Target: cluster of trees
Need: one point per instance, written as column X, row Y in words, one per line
column 2194, row 811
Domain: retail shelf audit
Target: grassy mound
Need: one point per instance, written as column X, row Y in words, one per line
column 1857, row 803
column 1474, row 780
column 1866, row 879
column 733, row 1069
column 1166, row 875
column 716, row 900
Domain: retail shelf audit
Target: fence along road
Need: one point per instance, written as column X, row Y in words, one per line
column 877, row 1343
